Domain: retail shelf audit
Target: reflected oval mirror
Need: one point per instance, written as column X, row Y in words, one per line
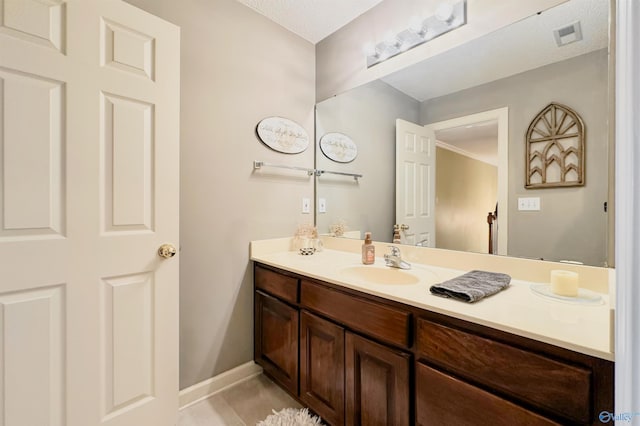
column 469, row 109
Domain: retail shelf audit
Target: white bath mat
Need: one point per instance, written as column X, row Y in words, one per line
column 291, row 417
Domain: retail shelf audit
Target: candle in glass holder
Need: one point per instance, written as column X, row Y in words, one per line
column 564, row 283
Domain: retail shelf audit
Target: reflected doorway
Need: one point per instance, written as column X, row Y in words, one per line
column 471, row 181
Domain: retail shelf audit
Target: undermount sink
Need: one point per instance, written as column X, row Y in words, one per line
column 381, row 274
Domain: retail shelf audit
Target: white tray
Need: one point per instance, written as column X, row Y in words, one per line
column 584, row 297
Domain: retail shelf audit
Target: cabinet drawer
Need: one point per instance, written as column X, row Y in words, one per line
column 279, row 285
column 371, row 318
column 445, row 400
column 552, row 385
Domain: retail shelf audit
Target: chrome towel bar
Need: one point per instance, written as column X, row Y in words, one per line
column 310, row 172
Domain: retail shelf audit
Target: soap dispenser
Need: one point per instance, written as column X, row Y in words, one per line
column 368, row 250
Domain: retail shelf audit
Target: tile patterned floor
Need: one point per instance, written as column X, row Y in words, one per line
column 244, row 404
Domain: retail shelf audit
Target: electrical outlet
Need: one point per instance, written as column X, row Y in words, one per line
column 306, row 205
column 529, row 203
column 322, row 205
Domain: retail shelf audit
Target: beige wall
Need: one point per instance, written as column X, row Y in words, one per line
column 340, row 61
column 571, row 224
column 466, row 191
column 237, row 68
column 367, row 115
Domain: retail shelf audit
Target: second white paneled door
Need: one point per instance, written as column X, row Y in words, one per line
column 415, row 183
column 89, row 107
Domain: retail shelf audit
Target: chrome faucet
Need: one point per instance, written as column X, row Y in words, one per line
column 394, row 259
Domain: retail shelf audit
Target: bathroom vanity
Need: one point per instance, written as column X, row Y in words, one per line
column 357, row 351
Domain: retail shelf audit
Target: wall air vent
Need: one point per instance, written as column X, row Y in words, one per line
column 568, row 34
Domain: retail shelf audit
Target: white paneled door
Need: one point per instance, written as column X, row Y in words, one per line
column 89, row 104
column 415, row 183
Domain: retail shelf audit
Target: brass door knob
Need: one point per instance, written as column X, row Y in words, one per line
column 404, row 227
column 167, row 251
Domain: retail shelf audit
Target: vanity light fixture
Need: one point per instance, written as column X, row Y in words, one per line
column 448, row 16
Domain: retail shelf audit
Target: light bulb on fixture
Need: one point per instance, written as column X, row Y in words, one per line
column 444, row 12
column 418, row 26
column 391, row 39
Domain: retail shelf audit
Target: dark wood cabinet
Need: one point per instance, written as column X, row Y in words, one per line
column 285, row 287
column 373, row 319
column 517, row 373
column 322, row 367
column 444, row 400
column 276, row 340
column 348, row 379
column 377, row 384
column 358, row 359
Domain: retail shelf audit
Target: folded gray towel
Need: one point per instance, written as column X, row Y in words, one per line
column 472, row 286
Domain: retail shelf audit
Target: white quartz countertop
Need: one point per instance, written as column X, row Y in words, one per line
column 582, row 328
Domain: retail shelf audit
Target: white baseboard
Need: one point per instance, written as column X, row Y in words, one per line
column 209, row 387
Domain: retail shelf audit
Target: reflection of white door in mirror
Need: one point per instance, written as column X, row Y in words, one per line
column 415, row 183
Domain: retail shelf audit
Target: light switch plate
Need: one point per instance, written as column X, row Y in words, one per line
column 306, row 205
column 322, row 205
column 529, row 203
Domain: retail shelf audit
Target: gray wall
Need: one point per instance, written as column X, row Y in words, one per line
column 571, row 224
column 237, row 68
column 367, row 115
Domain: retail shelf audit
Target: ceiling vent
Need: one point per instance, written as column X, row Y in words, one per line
column 568, row 34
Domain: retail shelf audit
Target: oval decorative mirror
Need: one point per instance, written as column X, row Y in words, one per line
column 338, row 147
column 283, row 135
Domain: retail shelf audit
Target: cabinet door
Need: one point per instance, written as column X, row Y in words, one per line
column 377, row 383
column 444, row 400
column 322, row 367
column 276, row 340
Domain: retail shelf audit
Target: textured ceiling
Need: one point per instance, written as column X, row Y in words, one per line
column 312, row 20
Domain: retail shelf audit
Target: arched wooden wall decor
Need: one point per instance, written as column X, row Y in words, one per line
column 555, row 148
